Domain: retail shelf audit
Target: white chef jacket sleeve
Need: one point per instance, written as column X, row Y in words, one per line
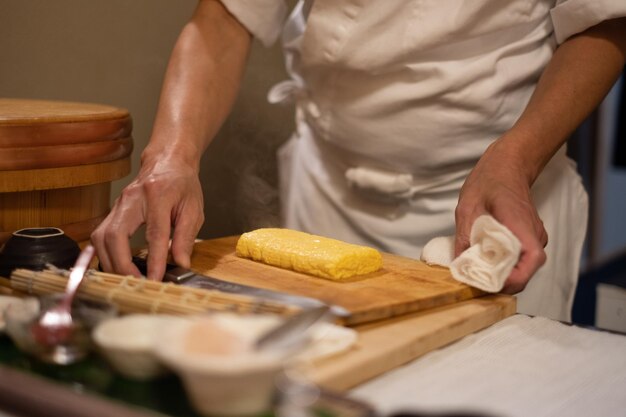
column 570, row 17
column 263, row 18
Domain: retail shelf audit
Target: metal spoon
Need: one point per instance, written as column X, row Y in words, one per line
column 55, row 325
column 291, row 333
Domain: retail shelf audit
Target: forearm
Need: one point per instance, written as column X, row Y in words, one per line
column 200, row 86
column 579, row 75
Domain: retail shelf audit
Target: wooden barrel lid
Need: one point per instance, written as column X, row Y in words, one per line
column 38, row 134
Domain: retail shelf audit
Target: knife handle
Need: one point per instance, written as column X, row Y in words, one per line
column 173, row 273
column 140, row 263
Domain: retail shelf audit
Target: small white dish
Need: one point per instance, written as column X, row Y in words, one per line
column 20, row 318
column 128, row 344
column 325, row 339
column 5, row 302
column 328, row 340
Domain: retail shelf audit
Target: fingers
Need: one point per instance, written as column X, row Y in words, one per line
column 185, row 231
column 532, row 257
column 157, row 236
column 543, row 236
column 465, row 214
column 97, row 240
column 461, row 239
column 113, row 249
column 118, row 249
column 530, row 261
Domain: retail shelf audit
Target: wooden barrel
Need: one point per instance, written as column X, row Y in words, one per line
column 57, row 161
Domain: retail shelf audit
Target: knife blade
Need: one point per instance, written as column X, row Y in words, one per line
column 189, row 278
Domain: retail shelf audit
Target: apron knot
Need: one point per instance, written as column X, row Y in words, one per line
column 287, row 91
column 379, row 182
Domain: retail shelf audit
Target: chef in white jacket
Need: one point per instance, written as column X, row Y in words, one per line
column 413, row 118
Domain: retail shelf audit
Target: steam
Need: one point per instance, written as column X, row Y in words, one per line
column 257, row 200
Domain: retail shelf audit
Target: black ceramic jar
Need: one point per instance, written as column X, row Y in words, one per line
column 33, row 248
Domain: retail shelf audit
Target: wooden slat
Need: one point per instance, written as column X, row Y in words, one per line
column 63, row 155
column 15, row 111
column 65, row 177
column 77, row 210
column 62, row 133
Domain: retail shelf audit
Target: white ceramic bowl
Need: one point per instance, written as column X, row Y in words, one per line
column 222, row 374
column 128, row 343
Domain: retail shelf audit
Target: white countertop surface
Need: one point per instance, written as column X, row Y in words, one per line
column 521, row 366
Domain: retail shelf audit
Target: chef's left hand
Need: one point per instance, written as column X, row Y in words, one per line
column 498, row 186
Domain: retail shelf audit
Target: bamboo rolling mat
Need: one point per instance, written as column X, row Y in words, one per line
column 134, row 295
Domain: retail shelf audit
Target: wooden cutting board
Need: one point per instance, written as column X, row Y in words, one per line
column 400, row 313
column 402, row 286
column 387, row 344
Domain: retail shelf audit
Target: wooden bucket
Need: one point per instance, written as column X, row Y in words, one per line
column 57, row 161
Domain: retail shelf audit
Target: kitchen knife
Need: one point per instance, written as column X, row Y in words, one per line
column 189, row 278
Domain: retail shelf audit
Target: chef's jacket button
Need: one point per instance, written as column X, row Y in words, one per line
column 313, row 110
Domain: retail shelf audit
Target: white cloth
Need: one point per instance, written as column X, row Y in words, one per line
column 262, row 18
column 573, row 16
column 417, row 90
column 439, row 251
column 489, row 260
column 519, row 367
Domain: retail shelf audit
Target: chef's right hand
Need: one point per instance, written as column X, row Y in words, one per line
column 499, row 185
column 165, row 195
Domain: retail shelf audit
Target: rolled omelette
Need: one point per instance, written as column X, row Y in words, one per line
column 310, row 254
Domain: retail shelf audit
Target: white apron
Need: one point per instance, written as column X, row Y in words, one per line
column 390, row 122
column 395, row 103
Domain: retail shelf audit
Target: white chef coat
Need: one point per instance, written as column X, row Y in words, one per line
column 395, row 103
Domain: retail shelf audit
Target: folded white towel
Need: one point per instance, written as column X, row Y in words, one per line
column 489, row 260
